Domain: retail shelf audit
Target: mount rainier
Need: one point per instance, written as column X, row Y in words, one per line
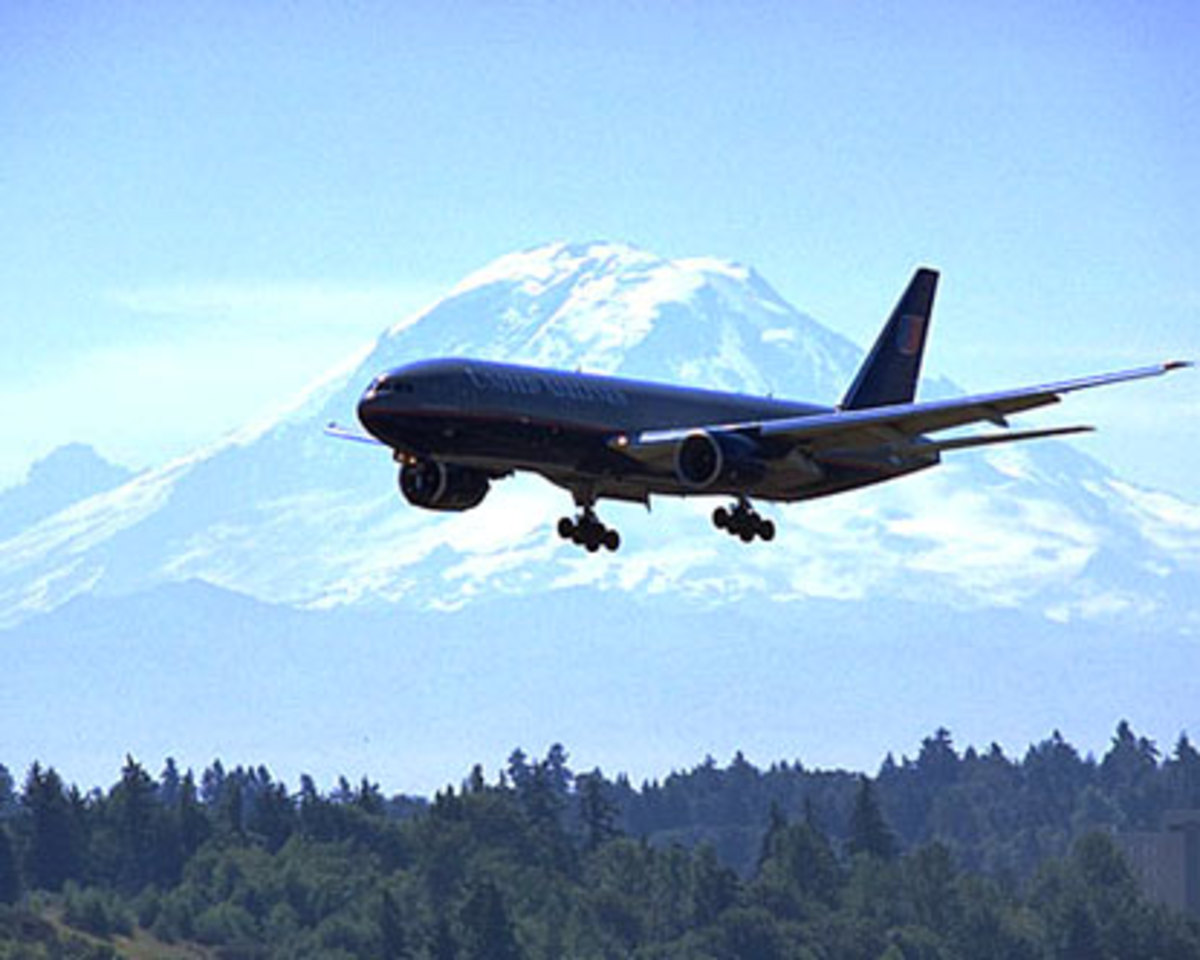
column 287, row 515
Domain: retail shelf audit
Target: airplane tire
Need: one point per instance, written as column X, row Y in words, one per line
column 720, row 518
column 566, row 528
column 767, row 530
column 746, row 533
column 612, row 540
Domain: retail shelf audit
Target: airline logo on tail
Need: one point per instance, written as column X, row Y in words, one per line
column 911, row 334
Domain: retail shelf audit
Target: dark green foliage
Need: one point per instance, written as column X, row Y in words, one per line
column 597, row 811
column 972, row 855
column 96, row 910
column 10, row 877
column 393, row 939
column 869, row 834
column 54, row 851
column 25, row 935
column 487, row 930
column 798, row 875
column 8, row 794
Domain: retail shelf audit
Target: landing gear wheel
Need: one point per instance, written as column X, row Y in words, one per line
column 744, row 522
column 588, row 532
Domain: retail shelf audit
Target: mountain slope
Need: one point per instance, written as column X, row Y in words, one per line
column 287, row 515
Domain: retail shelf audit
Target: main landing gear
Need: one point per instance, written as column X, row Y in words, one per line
column 742, row 520
column 587, row 531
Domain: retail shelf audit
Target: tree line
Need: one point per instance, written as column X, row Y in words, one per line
column 947, row 854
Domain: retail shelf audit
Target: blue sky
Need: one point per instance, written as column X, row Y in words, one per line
column 205, row 205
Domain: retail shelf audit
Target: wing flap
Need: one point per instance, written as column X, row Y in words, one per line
column 985, row 440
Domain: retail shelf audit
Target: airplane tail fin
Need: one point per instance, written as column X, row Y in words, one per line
column 889, row 374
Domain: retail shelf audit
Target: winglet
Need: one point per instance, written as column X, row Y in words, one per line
column 1176, row 365
column 889, row 374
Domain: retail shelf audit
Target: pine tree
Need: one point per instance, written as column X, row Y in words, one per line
column 869, row 833
column 8, row 797
column 776, row 825
column 193, row 824
column 53, row 853
column 519, row 771
column 596, row 810
column 475, row 783
column 368, row 797
column 169, row 784
column 134, row 808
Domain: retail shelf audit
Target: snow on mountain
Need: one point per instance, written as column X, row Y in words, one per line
column 285, row 514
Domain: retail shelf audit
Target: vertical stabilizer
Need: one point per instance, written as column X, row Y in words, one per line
column 889, row 374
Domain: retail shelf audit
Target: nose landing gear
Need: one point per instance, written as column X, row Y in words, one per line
column 742, row 520
column 589, row 532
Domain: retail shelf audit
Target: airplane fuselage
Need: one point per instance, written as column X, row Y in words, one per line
column 568, row 427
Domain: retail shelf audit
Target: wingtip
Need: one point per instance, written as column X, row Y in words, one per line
column 1177, row 365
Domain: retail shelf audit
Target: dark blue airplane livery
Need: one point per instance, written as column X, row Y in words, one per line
column 456, row 425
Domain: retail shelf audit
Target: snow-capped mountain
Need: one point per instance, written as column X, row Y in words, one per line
column 283, row 513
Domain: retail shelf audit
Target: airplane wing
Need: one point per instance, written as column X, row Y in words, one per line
column 896, row 426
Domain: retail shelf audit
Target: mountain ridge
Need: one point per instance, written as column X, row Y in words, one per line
column 64, row 476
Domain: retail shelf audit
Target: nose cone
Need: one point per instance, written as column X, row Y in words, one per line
column 370, row 412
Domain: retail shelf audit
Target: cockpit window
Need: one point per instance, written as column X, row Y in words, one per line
column 386, row 384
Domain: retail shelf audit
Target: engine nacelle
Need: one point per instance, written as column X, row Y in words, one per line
column 703, row 459
column 442, row 486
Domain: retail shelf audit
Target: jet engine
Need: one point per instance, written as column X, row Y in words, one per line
column 442, row 486
column 703, row 459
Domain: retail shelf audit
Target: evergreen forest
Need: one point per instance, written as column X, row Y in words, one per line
column 949, row 854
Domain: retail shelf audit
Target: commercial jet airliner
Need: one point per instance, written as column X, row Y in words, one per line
column 457, row 425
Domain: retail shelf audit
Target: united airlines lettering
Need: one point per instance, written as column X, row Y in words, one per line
column 520, row 383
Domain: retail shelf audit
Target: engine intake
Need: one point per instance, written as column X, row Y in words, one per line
column 434, row 485
column 703, row 459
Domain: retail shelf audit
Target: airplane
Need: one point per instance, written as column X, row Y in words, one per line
column 457, row 425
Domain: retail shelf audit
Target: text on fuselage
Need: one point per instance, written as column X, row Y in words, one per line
column 532, row 384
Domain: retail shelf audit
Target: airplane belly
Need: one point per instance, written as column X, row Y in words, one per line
column 508, row 442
